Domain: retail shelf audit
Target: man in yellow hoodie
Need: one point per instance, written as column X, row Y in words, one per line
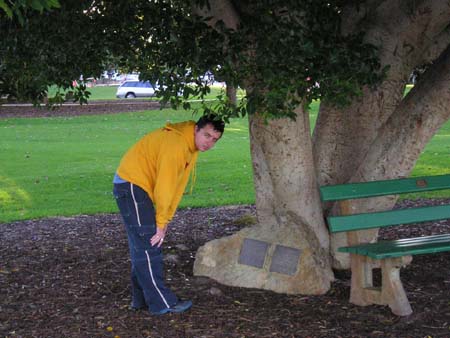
column 148, row 187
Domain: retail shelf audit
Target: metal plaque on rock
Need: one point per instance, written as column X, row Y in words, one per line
column 253, row 252
column 285, row 260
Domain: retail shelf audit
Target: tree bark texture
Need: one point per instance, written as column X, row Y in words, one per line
column 405, row 134
column 288, row 211
column 284, row 173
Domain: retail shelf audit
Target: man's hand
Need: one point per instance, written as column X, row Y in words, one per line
column 158, row 238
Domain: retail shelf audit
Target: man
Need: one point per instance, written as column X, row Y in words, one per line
column 148, row 187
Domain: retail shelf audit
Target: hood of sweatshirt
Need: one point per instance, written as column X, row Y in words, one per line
column 187, row 130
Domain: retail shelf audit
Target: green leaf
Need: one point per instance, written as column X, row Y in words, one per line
column 37, row 5
column 6, row 8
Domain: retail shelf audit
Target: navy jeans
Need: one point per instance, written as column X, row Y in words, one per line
column 147, row 280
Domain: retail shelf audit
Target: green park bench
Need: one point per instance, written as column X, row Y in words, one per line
column 391, row 255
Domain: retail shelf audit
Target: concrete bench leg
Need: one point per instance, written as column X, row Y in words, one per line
column 391, row 292
column 362, row 291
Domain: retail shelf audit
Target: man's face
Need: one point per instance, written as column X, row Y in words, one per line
column 206, row 137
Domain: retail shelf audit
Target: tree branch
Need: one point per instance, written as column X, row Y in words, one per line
column 219, row 10
column 440, row 43
column 353, row 15
column 400, row 141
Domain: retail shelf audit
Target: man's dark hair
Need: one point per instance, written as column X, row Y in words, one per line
column 212, row 119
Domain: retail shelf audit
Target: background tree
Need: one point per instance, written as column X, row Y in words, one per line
column 284, row 54
column 49, row 47
column 18, row 8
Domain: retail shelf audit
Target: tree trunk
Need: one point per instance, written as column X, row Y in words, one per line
column 380, row 135
column 289, row 215
column 231, row 94
column 402, row 139
column 407, row 37
column 342, row 137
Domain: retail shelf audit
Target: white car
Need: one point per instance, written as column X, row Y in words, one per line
column 132, row 89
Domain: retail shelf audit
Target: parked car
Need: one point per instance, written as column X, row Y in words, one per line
column 132, row 89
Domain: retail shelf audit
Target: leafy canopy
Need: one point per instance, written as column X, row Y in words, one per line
column 17, row 8
column 283, row 53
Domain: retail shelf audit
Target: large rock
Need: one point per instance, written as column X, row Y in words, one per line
column 283, row 259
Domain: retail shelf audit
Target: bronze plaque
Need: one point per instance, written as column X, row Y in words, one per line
column 253, row 252
column 285, row 260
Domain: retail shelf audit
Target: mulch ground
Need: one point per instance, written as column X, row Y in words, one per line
column 69, row 277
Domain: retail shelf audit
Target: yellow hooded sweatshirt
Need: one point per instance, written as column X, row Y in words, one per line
column 160, row 163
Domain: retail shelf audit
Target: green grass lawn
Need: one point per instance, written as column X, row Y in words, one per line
column 103, row 93
column 65, row 165
column 97, row 93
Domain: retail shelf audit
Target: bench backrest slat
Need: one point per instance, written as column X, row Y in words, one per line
column 387, row 218
column 382, row 188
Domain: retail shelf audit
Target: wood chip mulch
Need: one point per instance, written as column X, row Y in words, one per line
column 69, row 277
